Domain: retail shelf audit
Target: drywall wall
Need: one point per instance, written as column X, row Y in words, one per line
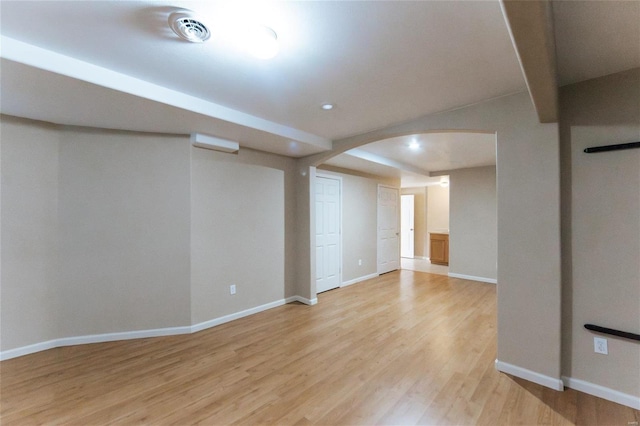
column 305, row 236
column 528, row 193
column 237, row 233
column 359, row 224
column 473, row 238
column 97, row 232
column 601, row 229
column 420, row 220
column 437, row 211
column 29, row 188
column 123, row 231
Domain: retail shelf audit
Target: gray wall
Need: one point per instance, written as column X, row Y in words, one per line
column 237, row 232
column 473, row 237
column 601, row 229
column 30, row 304
column 123, row 253
column 106, row 231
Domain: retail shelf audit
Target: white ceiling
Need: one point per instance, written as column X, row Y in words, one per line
column 116, row 64
column 379, row 62
column 436, row 153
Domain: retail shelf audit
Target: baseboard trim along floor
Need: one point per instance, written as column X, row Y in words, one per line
column 473, row 278
column 359, row 279
column 532, row 376
column 602, row 392
column 141, row 334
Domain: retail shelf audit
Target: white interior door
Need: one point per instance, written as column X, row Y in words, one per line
column 407, row 235
column 328, row 258
column 388, row 232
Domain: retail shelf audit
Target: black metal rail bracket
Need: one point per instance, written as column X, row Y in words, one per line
column 616, row 147
column 611, row 331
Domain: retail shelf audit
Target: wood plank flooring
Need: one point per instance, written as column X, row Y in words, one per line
column 404, row 348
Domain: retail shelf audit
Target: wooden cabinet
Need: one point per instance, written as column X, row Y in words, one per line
column 439, row 249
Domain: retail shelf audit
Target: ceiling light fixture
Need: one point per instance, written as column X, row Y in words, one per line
column 414, row 145
column 327, row 106
column 188, row 26
column 262, row 42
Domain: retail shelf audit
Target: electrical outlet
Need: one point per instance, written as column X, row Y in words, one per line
column 600, row 346
column 232, row 289
column 359, row 262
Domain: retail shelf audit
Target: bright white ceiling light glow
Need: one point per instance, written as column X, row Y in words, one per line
column 414, row 145
column 326, row 107
column 262, row 42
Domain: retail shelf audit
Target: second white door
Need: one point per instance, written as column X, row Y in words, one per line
column 388, row 241
column 327, row 233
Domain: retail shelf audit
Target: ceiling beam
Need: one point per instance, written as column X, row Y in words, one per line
column 37, row 57
column 530, row 25
column 379, row 159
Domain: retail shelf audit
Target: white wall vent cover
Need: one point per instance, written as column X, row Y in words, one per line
column 189, row 27
column 216, row 144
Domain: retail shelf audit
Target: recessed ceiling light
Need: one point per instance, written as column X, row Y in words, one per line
column 414, row 145
column 188, row 26
column 326, row 107
column 263, row 42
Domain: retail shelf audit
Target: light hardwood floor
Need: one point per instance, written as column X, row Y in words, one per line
column 404, row 348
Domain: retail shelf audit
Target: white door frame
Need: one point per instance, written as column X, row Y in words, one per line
column 339, row 179
column 378, row 224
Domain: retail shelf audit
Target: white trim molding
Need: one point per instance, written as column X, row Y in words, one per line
column 532, row 376
column 602, row 392
column 141, row 334
column 92, row 338
column 473, row 278
column 224, row 319
column 359, row 279
column 304, row 300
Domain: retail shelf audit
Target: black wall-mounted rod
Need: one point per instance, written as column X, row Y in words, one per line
column 613, row 332
column 616, row 147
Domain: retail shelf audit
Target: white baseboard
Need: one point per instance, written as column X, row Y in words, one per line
column 29, row 349
column 532, row 376
column 141, row 334
column 472, row 278
column 602, row 392
column 221, row 320
column 359, row 279
column 92, row 338
column 304, row 300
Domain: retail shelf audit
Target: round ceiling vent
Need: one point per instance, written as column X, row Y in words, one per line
column 189, row 27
